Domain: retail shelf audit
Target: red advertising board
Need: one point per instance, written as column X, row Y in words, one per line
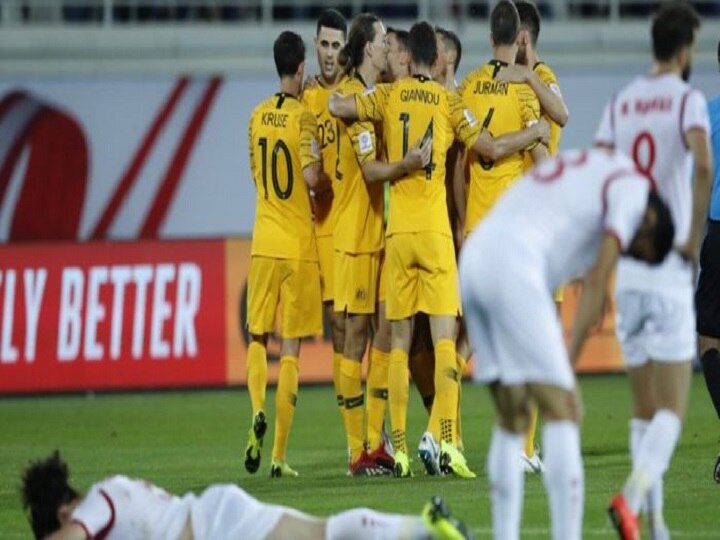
column 111, row 315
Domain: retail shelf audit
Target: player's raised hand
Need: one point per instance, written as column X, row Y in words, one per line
column 513, row 74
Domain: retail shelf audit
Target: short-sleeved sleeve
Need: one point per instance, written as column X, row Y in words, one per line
column 464, row 123
column 624, row 204
column 695, row 112
column 549, row 79
column 529, row 105
column 605, row 135
column 370, row 103
column 95, row 513
column 362, row 135
column 309, row 146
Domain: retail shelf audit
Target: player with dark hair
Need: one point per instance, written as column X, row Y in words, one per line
column 285, row 163
column 529, row 70
column 662, row 122
column 450, row 49
column 330, row 37
column 597, row 206
column 119, row 508
column 398, row 56
column 358, row 239
column 707, row 296
column 420, row 256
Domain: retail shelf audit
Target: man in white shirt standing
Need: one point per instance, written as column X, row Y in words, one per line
column 597, row 206
column 662, row 123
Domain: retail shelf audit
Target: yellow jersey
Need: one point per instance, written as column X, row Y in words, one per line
column 413, row 109
column 548, row 77
column 358, row 205
column 316, row 99
column 501, row 108
column 282, row 140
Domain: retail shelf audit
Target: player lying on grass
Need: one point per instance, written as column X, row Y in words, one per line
column 122, row 507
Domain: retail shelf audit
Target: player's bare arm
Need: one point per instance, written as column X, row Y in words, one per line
column 551, row 103
column 495, row 148
column 539, row 152
column 416, row 158
column 316, row 178
column 592, row 300
column 343, row 107
column 459, row 189
column 699, row 144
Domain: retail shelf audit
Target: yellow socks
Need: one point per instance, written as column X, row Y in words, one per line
column 377, row 391
column 285, row 399
column 398, row 387
column 446, row 390
column 530, row 434
column 351, row 388
column 257, row 375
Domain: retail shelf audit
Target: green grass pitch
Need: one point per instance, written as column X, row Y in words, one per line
column 187, row 440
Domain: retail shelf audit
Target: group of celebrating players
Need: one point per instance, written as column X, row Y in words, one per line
column 371, row 178
column 375, row 175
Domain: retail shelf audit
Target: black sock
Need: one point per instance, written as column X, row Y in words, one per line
column 711, row 369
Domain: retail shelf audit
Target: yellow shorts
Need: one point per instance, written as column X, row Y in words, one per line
column 325, row 259
column 421, row 275
column 382, row 278
column 559, row 294
column 356, row 281
column 294, row 286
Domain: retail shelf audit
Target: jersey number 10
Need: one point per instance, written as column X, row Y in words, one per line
column 279, row 148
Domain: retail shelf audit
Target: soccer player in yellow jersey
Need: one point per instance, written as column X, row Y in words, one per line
column 331, row 32
column 398, row 56
column 358, row 239
column 502, row 108
column 422, row 272
column 541, row 78
column 285, row 163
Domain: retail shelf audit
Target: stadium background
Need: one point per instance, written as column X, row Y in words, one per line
column 123, row 153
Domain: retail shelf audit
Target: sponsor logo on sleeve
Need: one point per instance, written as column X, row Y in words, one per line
column 365, row 142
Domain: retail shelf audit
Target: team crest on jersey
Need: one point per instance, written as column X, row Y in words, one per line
column 365, row 142
column 361, row 295
column 469, row 117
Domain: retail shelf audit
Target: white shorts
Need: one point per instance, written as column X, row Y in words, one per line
column 657, row 326
column 227, row 512
column 511, row 319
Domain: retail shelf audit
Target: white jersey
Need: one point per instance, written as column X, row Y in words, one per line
column 554, row 218
column 120, row 507
column 648, row 120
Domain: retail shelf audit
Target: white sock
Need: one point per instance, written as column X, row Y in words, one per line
column 506, row 479
column 564, row 478
column 638, row 427
column 653, row 457
column 363, row 523
column 652, row 505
